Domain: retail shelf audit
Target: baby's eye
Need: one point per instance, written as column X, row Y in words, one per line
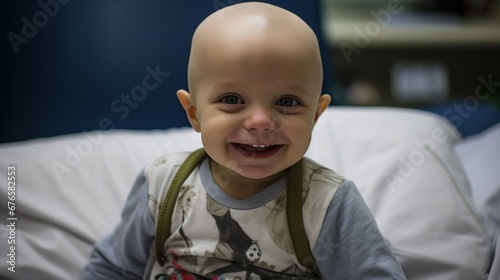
column 287, row 101
column 232, row 99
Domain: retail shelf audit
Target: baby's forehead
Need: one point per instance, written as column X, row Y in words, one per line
column 256, row 33
column 253, row 21
column 248, row 34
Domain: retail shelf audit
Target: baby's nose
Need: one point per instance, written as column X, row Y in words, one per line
column 260, row 119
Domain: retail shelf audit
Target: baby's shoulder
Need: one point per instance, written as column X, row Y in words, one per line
column 317, row 174
column 166, row 162
column 163, row 168
column 159, row 173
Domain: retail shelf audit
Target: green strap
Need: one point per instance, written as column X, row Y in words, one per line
column 167, row 208
column 293, row 210
column 295, row 219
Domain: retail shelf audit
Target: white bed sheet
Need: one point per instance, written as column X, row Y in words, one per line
column 480, row 156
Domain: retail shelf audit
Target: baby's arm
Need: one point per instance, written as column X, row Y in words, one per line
column 124, row 253
column 350, row 245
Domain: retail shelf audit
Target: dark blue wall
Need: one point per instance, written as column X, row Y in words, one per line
column 67, row 66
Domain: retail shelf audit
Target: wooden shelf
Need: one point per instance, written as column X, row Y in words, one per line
column 344, row 26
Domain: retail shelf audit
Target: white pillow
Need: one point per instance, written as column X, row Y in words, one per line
column 480, row 157
column 404, row 164
column 70, row 190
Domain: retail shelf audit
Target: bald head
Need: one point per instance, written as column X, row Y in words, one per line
column 251, row 32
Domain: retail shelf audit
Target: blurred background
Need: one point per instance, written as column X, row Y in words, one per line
column 428, row 54
column 75, row 66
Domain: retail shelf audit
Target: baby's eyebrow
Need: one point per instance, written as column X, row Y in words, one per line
column 298, row 89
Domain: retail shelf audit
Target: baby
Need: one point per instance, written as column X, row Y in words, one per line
column 255, row 79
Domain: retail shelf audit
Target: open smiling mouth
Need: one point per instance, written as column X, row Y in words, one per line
column 257, row 149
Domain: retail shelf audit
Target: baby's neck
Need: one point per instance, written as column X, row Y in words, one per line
column 240, row 187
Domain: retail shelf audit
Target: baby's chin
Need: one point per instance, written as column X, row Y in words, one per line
column 260, row 173
column 254, row 162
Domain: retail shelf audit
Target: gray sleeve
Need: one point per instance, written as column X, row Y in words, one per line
column 124, row 253
column 350, row 245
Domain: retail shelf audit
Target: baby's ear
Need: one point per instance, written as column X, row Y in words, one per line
column 187, row 103
column 323, row 102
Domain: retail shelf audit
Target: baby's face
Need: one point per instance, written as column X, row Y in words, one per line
column 255, row 92
column 256, row 109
